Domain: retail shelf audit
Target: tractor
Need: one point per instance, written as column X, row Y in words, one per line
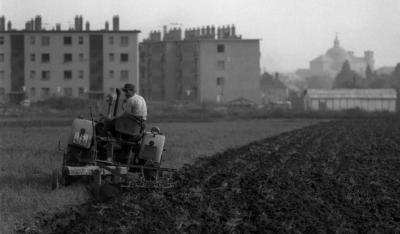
column 114, row 150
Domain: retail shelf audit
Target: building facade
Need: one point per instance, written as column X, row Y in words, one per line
column 207, row 65
column 330, row 63
column 36, row 63
column 344, row 99
column 273, row 90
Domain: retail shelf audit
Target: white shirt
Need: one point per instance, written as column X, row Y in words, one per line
column 135, row 105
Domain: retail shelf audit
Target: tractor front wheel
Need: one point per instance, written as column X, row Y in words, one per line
column 65, row 179
column 55, row 179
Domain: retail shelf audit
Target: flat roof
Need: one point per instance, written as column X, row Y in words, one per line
column 352, row 93
column 68, row 31
column 203, row 40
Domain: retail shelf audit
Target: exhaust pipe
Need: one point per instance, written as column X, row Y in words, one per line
column 116, row 102
column 109, row 101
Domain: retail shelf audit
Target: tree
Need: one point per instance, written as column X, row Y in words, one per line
column 380, row 82
column 346, row 77
column 318, row 82
column 395, row 77
column 368, row 73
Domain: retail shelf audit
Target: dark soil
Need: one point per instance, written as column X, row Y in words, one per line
column 335, row 177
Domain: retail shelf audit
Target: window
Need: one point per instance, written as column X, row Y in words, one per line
column 80, row 40
column 33, row 92
column 67, row 75
column 111, row 40
column 124, row 41
column 32, row 75
column 45, row 58
column 221, row 65
column 80, row 92
column 81, row 74
column 1, row 75
column 68, row 92
column 1, row 58
column 45, row 92
column 67, row 40
column 33, row 40
column 1, row 40
column 80, row 57
column 67, row 58
column 124, row 75
column 124, row 57
column 45, row 75
column 220, row 81
column 45, row 41
column 111, row 74
column 111, row 57
column 33, row 57
column 220, row 48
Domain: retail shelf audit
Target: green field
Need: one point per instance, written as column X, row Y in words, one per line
column 28, row 155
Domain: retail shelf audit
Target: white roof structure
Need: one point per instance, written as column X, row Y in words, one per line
column 352, row 93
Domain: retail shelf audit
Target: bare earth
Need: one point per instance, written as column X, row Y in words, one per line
column 28, row 156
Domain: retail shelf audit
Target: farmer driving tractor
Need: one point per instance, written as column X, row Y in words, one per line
column 134, row 107
column 116, row 145
column 134, row 104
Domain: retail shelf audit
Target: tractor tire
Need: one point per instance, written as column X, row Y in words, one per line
column 64, row 179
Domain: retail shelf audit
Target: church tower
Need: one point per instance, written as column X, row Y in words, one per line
column 369, row 58
column 336, row 42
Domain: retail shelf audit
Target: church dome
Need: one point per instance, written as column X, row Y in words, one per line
column 337, row 53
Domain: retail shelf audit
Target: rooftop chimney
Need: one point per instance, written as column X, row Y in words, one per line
column 115, row 23
column 87, row 26
column 107, row 26
column 81, row 23
column 9, row 26
column 203, row 31
column 165, row 31
column 76, row 23
column 38, row 23
column 2, row 23
column 58, row 27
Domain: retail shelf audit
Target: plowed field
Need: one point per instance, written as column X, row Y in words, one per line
column 29, row 154
column 336, row 177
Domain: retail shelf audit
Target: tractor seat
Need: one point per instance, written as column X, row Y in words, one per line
column 129, row 125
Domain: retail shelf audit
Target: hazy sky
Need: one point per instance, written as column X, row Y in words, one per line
column 292, row 32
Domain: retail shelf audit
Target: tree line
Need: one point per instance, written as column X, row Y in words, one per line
column 347, row 78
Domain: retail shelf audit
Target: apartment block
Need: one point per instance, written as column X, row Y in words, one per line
column 207, row 65
column 36, row 63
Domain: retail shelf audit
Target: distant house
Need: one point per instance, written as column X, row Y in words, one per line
column 344, row 99
column 385, row 70
column 272, row 89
